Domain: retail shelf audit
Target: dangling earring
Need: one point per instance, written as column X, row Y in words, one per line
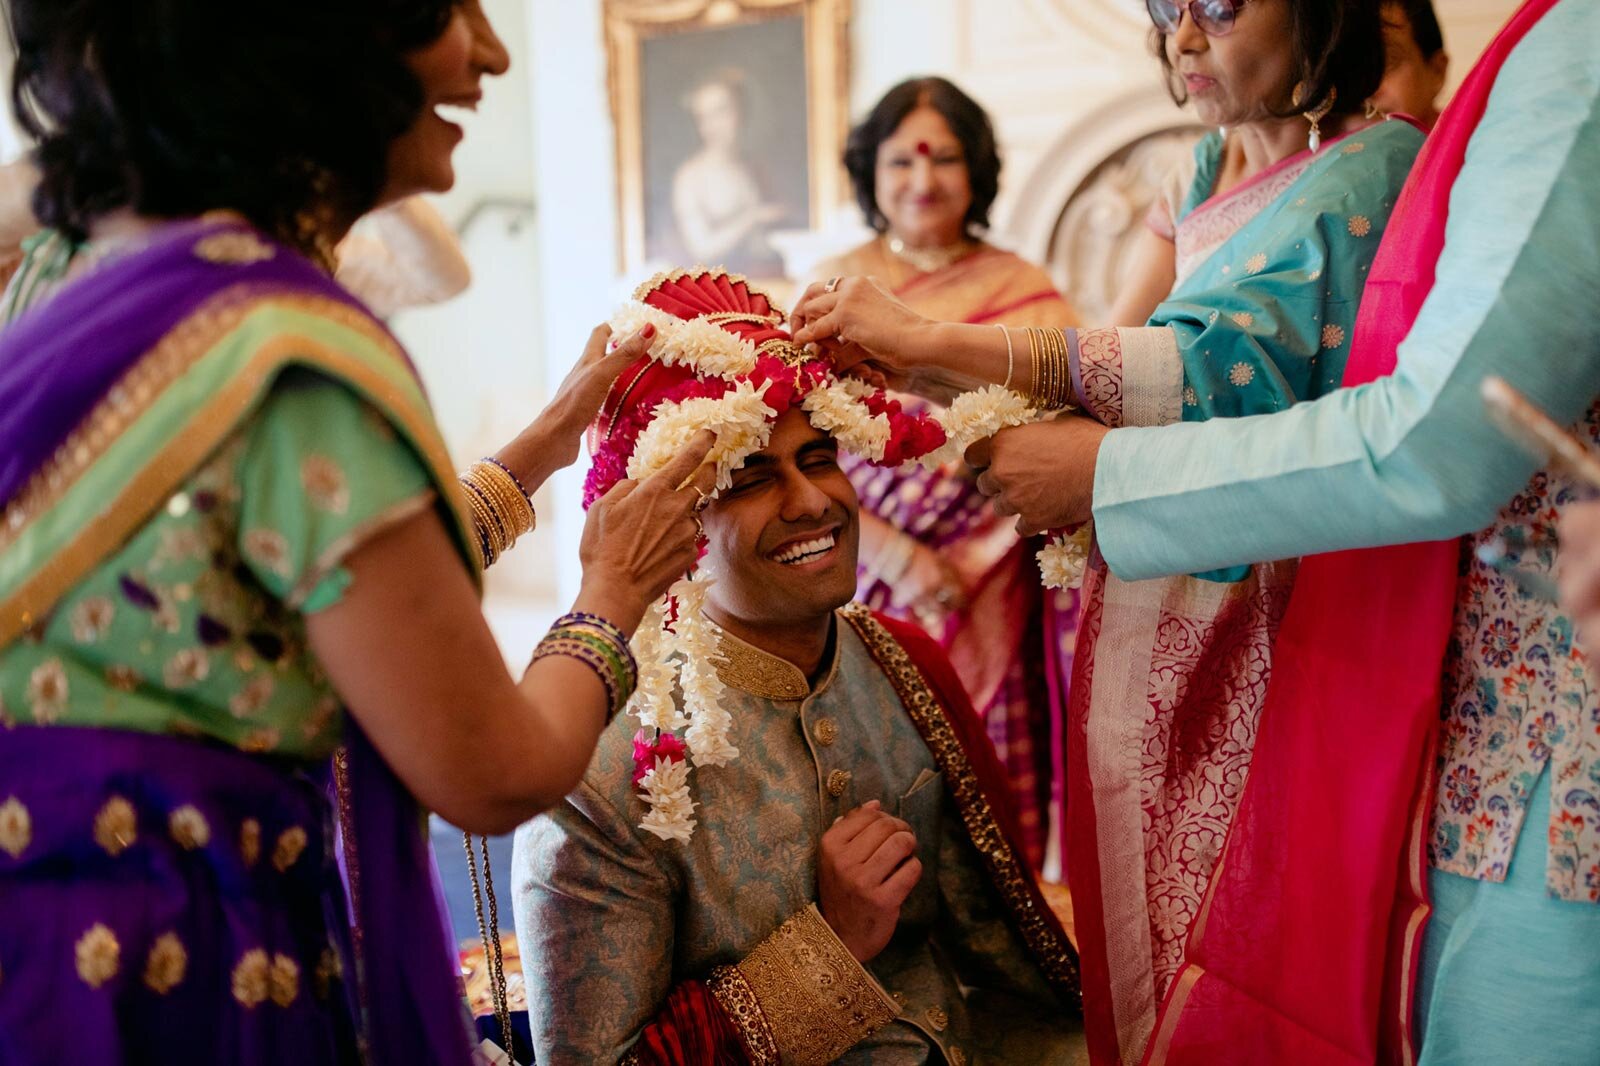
column 1373, row 114
column 1315, row 117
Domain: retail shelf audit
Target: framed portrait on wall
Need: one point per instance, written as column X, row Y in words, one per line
column 730, row 119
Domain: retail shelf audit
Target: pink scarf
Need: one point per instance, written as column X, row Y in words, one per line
column 1306, row 948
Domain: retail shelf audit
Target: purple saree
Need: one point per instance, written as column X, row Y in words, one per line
column 162, row 898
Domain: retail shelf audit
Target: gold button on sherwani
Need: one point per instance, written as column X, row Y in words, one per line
column 826, row 732
column 838, row 781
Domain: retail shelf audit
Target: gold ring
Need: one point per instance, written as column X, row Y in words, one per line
column 833, row 284
column 702, row 503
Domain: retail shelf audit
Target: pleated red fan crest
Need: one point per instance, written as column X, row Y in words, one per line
column 719, row 296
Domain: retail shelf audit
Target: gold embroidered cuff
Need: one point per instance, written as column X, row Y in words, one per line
column 817, row 1001
column 738, row 1001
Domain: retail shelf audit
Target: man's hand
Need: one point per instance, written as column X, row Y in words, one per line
column 1043, row 473
column 866, row 868
column 1578, row 573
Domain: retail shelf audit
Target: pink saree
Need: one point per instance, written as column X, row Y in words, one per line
column 1306, row 947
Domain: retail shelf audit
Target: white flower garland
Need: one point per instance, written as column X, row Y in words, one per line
column 741, row 420
column 666, row 791
column 975, row 416
column 702, row 346
column 686, row 658
column 652, row 701
column 838, row 409
column 1062, row 563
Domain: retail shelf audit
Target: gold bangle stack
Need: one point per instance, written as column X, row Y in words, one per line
column 501, row 509
column 1051, row 387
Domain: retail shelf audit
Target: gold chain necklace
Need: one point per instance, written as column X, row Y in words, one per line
column 930, row 260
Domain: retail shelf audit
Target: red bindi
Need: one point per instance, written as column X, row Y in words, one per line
column 924, row 148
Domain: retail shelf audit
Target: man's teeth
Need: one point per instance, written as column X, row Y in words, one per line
column 808, row 550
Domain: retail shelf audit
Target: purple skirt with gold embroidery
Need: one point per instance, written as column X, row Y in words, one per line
column 166, row 901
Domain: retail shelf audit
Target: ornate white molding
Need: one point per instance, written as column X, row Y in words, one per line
column 1075, row 154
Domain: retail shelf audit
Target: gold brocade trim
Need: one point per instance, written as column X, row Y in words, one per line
column 786, row 351
column 1177, row 1000
column 738, row 1001
column 819, row 1002
column 722, row 318
column 1013, row 879
column 746, row 667
column 149, row 487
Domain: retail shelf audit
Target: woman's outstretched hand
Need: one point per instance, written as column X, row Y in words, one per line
column 1042, row 473
column 859, row 321
column 551, row 441
column 643, row 535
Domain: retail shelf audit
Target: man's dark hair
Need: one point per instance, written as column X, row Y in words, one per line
column 968, row 121
column 1338, row 49
column 274, row 108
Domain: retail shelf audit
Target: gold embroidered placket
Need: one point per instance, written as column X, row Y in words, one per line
column 764, row 676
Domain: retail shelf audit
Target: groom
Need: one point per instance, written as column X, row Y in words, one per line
column 852, row 890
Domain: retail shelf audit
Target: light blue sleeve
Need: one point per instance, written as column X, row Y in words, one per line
column 1410, row 457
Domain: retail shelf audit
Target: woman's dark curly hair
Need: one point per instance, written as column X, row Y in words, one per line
column 969, row 122
column 278, row 109
column 1338, row 48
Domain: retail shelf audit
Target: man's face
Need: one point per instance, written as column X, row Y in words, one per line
column 783, row 539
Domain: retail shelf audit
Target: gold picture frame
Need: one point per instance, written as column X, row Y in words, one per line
column 663, row 56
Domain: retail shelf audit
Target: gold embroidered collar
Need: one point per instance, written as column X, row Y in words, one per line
column 766, row 676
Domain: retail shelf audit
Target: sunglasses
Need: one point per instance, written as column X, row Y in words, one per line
column 1214, row 17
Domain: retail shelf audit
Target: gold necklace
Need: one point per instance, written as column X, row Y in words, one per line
column 930, row 260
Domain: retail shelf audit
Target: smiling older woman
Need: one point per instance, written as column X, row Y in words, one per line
column 1170, row 675
column 926, row 171
column 231, row 543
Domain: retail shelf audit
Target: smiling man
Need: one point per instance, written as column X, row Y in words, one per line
column 848, row 887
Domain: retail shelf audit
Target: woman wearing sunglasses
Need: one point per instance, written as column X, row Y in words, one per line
column 1170, row 674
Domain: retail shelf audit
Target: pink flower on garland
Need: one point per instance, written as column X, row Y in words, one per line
column 646, row 752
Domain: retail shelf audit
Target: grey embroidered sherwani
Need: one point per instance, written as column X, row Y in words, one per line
column 610, row 919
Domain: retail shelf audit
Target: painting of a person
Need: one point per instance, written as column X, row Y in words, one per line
column 722, row 215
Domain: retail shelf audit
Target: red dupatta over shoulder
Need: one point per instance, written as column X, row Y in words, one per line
column 1306, row 948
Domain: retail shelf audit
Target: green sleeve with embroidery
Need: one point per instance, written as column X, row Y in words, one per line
column 321, row 473
column 196, row 625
